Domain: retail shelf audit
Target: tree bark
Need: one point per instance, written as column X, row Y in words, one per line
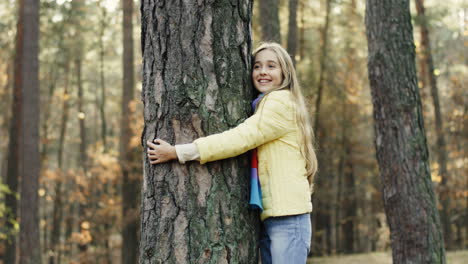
column 400, row 141
column 102, row 105
column 323, row 70
column 29, row 143
column 130, row 183
column 441, row 149
column 58, row 201
column 292, row 32
column 270, row 23
column 15, row 131
column 196, row 82
column 302, row 30
column 349, row 203
column 82, row 116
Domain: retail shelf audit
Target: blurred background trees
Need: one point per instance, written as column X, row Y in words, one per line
column 81, row 111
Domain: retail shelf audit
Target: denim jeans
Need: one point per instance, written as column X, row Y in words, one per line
column 285, row 239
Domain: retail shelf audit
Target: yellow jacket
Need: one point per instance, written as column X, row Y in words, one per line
column 281, row 167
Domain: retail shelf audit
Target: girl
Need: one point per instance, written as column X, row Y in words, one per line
column 281, row 133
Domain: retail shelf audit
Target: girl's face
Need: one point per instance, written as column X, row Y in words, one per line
column 267, row 73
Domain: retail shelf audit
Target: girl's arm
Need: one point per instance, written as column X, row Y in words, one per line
column 273, row 119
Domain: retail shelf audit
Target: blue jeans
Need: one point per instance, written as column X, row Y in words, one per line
column 285, row 239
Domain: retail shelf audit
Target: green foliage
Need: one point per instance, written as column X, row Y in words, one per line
column 5, row 216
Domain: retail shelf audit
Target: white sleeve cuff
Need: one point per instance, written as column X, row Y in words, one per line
column 187, row 152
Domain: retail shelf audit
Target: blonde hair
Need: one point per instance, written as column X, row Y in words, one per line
column 291, row 82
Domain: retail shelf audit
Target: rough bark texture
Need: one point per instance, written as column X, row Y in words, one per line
column 292, row 30
column 400, row 138
column 196, row 82
column 29, row 138
column 270, row 24
column 130, row 185
column 441, row 145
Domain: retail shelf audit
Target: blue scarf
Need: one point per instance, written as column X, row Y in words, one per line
column 255, row 189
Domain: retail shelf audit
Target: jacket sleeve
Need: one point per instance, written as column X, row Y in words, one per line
column 273, row 119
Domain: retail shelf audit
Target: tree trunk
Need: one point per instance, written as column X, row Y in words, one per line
column 302, row 30
column 196, row 82
column 15, row 132
column 323, row 70
column 400, row 142
column 102, row 105
column 82, row 114
column 270, row 23
column 29, row 137
column 441, row 149
column 349, row 203
column 292, row 32
column 130, row 183
column 317, row 218
column 58, row 201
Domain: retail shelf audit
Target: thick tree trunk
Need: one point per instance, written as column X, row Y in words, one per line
column 292, row 32
column 402, row 153
column 270, row 23
column 130, row 183
column 196, row 82
column 441, row 149
column 29, row 137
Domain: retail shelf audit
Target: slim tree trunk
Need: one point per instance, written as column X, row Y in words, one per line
column 441, row 149
column 270, row 23
column 196, row 82
column 130, row 183
column 29, row 138
column 302, row 30
column 323, row 69
column 15, row 132
column 58, row 201
column 82, row 114
column 317, row 218
column 102, row 105
column 401, row 147
column 349, row 203
column 292, row 32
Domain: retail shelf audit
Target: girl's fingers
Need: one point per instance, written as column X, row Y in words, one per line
column 152, row 151
column 160, row 142
column 151, row 145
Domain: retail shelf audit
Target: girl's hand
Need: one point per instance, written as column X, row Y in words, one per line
column 161, row 151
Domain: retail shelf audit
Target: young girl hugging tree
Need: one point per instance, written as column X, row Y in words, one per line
column 280, row 134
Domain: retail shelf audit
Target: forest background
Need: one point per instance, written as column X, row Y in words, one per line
column 81, row 78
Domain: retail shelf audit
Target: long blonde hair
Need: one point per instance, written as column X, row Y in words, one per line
column 291, row 82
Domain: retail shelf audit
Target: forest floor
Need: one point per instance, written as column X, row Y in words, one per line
column 453, row 257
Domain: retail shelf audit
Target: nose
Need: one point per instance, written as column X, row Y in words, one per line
column 262, row 71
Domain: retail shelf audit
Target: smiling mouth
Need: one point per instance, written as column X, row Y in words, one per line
column 264, row 81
